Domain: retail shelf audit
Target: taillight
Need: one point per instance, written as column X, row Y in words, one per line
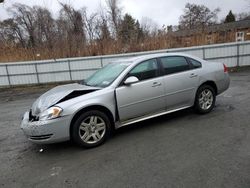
column 225, row 68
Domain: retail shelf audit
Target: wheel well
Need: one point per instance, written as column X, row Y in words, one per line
column 96, row 107
column 212, row 84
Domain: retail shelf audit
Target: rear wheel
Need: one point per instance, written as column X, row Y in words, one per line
column 205, row 99
column 91, row 129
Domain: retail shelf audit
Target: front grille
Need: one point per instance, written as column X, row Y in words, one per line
column 32, row 118
column 41, row 137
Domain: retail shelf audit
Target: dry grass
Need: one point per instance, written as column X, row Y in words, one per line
column 15, row 53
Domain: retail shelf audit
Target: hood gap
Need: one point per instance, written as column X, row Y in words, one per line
column 75, row 94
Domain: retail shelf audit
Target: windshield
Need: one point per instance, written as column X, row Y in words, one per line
column 105, row 76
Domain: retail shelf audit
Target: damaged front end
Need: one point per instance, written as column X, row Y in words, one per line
column 55, row 96
column 47, row 131
column 44, row 122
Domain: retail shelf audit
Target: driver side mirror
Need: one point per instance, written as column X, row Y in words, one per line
column 131, row 80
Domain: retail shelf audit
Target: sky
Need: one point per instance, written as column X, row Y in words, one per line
column 162, row 12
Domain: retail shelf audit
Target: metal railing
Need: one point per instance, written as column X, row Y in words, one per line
column 59, row 70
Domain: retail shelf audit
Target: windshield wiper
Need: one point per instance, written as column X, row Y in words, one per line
column 88, row 85
column 82, row 82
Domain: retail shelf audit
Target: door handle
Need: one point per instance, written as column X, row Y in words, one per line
column 156, row 84
column 193, row 75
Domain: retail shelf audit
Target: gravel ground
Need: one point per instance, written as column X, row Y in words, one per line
column 182, row 149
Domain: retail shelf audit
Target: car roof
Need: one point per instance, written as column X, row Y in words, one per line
column 149, row 56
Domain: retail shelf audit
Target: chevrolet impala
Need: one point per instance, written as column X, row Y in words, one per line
column 122, row 93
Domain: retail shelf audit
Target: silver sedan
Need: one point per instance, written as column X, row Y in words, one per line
column 122, row 93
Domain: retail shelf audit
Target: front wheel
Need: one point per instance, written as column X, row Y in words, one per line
column 91, row 129
column 205, row 99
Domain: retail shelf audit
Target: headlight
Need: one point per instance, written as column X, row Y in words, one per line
column 51, row 113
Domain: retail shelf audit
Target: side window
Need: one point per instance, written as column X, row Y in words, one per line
column 174, row 64
column 196, row 64
column 145, row 70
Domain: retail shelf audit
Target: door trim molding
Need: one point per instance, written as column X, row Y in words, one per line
column 145, row 117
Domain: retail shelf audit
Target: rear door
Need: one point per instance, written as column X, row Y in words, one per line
column 144, row 97
column 180, row 81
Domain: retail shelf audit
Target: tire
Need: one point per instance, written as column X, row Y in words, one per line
column 205, row 99
column 91, row 129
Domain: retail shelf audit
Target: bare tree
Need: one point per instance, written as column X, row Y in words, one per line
column 197, row 16
column 105, row 33
column 90, row 22
column 243, row 16
column 148, row 26
column 114, row 12
column 44, row 27
column 24, row 17
column 71, row 26
column 12, row 33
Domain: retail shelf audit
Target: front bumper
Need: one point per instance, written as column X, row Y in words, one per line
column 46, row 132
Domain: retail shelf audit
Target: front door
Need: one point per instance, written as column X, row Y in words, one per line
column 144, row 97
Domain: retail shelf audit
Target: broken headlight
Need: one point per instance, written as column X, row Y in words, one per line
column 51, row 113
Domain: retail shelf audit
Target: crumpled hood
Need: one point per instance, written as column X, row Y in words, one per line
column 56, row 94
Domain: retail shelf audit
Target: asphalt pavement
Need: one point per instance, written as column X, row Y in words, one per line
column 179, row 150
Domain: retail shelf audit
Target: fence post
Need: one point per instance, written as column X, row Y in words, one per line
column 37, row 76
column 8, row 76
column 101, row 62
column 203, row 53
column 70, row 74
column 238, row 54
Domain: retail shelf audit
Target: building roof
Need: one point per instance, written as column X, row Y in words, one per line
column 243, row 24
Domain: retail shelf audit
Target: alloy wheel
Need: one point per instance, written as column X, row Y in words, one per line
column 206, row 99
column 92, row 129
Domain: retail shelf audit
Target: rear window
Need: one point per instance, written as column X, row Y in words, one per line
column 174, row 64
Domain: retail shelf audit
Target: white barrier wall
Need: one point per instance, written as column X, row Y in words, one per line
column 36, row 72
